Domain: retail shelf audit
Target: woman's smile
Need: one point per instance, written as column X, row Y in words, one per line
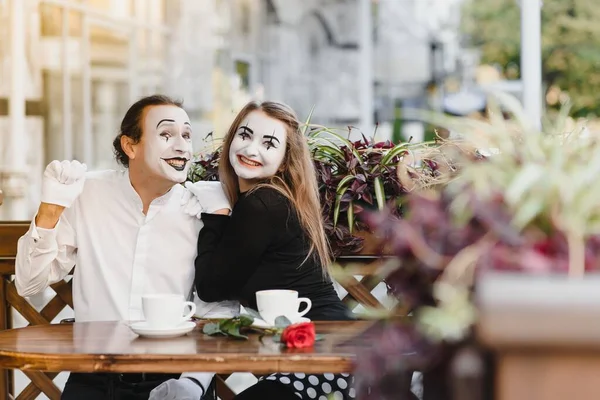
column 248, row 162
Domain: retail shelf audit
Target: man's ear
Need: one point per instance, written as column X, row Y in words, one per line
column 128, row 146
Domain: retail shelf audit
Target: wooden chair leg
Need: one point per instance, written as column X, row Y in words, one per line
column 44, row 383
column 5, row 376
column 4, row 387
column 224, row 392
column 31, row 391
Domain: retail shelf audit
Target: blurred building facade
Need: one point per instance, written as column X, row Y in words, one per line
column 70, row 68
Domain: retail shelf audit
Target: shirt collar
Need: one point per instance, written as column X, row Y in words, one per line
column 135, row 197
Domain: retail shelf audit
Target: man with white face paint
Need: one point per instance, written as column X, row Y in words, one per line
column 128, row 234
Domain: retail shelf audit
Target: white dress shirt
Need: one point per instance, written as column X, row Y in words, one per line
column 120, row 253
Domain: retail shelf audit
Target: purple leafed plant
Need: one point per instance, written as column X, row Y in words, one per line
column 425, row 240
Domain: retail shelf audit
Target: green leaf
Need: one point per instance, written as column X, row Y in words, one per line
column 231, row 327
column 341, row 141
column 397, row 150
column 330, row 151
column 344, row 183
column 379, row 193
column 246, row 320
column 211, row 328
column 330, row 156
column 307, row 122
column 528, row 177
column 336, row 210
column 319, row 336
column 226, row 324
column 528, row 211
column 282, row 322
column 341, row 189
column 277, row 338
column 252, row 313
column 350, row 216
column 234, row 330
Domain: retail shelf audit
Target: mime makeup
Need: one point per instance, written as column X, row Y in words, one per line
column 258, row 148
column 168, row 142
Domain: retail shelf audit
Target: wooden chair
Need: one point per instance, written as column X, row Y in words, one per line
column 40, row 382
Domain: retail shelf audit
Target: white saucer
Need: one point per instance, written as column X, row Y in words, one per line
column 142, row 329
column 259, row 323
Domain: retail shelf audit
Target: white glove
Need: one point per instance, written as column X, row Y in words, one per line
column 177, row 389
column 204, row 197
column 63, row 182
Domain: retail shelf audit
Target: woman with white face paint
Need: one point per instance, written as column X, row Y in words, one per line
column 274, row 238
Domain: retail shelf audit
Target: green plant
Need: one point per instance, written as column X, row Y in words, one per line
column 531, row 207
column 205, row 167
column 365, row 175
column 570, row 37
column 356, row 176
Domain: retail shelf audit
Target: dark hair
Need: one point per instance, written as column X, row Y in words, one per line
column 131, row 126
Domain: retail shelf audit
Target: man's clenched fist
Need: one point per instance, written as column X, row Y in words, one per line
column 63, row 182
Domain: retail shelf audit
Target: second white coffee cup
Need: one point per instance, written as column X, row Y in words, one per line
column 274, row 303
column 163, row 311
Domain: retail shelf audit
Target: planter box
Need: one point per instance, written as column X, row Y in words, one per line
column 545, row 333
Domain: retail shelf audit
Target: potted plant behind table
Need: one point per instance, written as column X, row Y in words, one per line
column 524, row 220
column 365, row 175
column 354, row 177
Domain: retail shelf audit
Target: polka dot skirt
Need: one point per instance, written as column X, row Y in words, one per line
column 319, row 387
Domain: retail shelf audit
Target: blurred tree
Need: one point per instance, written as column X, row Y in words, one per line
column 570, row 44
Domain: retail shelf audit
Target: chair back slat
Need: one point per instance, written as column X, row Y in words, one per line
column 10, row 232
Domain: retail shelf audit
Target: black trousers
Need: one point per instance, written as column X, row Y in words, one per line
column 99, row 386
column 267, row 390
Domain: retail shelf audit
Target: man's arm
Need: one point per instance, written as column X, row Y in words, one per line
column 48, row 215
column 47, row 252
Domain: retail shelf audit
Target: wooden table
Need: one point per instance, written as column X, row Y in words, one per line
column 113, row 347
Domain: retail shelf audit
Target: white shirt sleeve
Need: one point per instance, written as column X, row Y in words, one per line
column 45, row 256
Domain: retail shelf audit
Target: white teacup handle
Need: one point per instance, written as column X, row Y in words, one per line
column 308, row 305
column 192, row 307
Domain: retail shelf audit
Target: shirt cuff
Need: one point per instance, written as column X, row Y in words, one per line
column 42, row 234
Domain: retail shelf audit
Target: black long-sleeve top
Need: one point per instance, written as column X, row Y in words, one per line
column 262, row 246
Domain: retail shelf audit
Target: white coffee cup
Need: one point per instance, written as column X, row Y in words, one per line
column 274, row 303
column 166, row 310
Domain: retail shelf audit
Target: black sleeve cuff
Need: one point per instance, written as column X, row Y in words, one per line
column 197, row 382
column 214, row 218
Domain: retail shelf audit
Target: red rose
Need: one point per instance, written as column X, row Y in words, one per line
column 299, row 335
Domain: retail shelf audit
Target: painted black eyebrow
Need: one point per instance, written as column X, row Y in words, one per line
column 245, row 128
column 271, row 138
column 164, row 120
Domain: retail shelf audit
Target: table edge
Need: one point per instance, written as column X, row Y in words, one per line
column 157, row 363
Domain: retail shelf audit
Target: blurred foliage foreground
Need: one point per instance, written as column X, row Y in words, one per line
column 531, row 207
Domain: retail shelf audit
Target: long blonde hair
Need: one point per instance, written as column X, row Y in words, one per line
column 296, row 178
